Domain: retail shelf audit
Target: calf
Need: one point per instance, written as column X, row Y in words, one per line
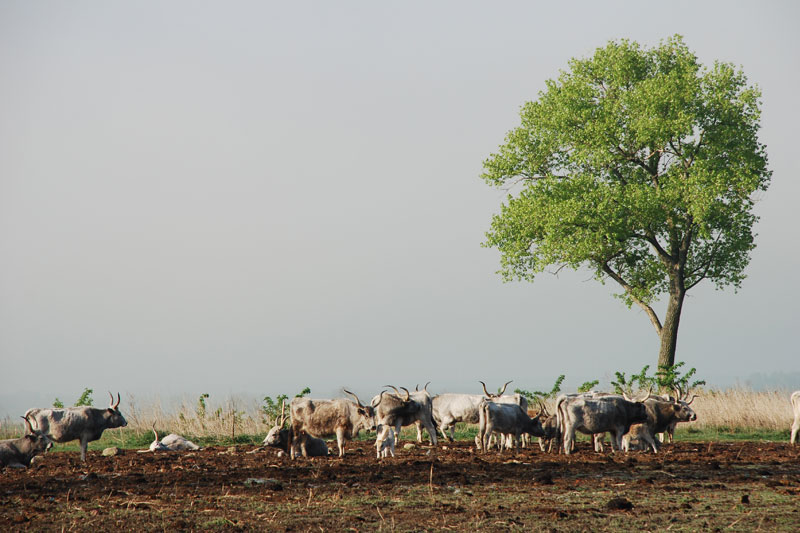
column 796, row 408
column 18, row 453
column 384, row 444
column 78, row 423
column 506, row 419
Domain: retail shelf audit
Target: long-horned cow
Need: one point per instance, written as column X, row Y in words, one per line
column 172, row 442
column 505, row 419
column 279, row 437
column 321, row 418
column 417, row 409
column 599, row 414
column 662, row 414
column 450, row 408
column 18, row 453
column 78, row 423
column 795, row 398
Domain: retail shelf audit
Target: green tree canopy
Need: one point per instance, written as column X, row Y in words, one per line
column 640, row 164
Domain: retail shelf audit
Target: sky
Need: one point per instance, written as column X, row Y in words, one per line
column 250, row 198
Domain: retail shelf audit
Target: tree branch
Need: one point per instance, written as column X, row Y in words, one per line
column 628, row 289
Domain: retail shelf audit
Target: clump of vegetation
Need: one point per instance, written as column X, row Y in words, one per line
column 58, row 404
column 666, row 380
column 271, row 408
column 85, row 398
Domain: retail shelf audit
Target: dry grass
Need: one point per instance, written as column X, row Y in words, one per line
column 742, row 409
column 229, row 418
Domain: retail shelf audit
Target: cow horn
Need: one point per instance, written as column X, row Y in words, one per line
column 690, row 401
column 542, row 408
column 416, row 387
column 111, row 405
column 486, row 391
column 504, row 387
column 408, row 394
column 28, row 423
column 116, row 405
column 425, row 388
column 154, row 431
column 393, row 387
column 354, row 396
column 380, row 399
column 283, row 413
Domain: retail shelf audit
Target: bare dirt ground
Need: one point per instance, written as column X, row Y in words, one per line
column 729, row 486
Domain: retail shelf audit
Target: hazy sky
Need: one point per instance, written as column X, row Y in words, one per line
column 254, row 197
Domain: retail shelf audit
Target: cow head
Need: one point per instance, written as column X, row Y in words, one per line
column 535, row 427
column 273, row 438
column 114, row 417
column 38, row 441
column 365, row 412
column 156, row 444
column 683, row 412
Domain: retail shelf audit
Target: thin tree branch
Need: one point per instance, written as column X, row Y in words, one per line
column 628, row 289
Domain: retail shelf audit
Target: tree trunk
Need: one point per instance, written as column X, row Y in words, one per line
column 669, row 332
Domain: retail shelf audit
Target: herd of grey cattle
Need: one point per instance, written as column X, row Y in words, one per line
column 633, row 423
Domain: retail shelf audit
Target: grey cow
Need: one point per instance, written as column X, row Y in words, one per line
column 505, row 419
column 78, row 423
column 18, row 453
column 614, row 414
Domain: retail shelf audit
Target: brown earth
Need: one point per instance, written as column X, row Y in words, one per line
column 730, row 486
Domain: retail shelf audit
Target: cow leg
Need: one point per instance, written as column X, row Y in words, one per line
column 431, row 428
column 569, row 437
column 419, row 431
column 340, row 441
column 84, row 446
column 795, row 429
column 650, row 440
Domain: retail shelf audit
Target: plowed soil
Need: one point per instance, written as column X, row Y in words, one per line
column 730, row 486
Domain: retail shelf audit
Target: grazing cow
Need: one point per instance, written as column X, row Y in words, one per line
column 321, row 418
column 796, row 408
column 418, row 411
column 506, row 419
column 18, row 453
column 172, row 442
column 384, row 444
column 661, row 414
column 450, row 408
column 615, row 414
column 278, row 437
column 78, row 423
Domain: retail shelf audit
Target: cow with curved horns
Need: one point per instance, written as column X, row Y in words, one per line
column 450, row 408
column 279, row 437
column 85, row 424
column 599, row 414
column 321, row 418
column 18, row 453
column 172, row 443
column 418, row 411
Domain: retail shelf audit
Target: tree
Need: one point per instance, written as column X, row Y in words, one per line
column 641, row 165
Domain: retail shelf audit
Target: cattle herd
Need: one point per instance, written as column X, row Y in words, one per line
column 504, row 421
